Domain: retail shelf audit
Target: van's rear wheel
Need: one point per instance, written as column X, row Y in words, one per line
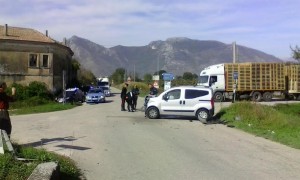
column 202, row 115
column 152, row 113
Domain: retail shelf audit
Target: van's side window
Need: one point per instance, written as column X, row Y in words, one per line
column 175, row 94
column 191, row 93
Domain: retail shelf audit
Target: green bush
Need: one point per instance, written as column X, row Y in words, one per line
column 35, row 94
column 38, row 89
column 21, row 91
column 34, row 89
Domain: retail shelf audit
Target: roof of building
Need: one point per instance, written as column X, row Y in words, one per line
column 27, row 35
column 23, row 34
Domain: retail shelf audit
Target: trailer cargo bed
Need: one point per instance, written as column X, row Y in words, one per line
column 257, row 76
column 293, row 73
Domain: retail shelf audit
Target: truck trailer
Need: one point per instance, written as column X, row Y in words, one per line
column 257, row 81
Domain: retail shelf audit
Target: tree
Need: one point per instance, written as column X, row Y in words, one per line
column 296, row 53
column 75, row 65
column 118, row 76
column 147, row 78
column 186, row 79
column 86, row 77
column 187, row 76
column 160, row 72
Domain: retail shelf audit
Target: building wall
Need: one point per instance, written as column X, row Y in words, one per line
column 26, row 62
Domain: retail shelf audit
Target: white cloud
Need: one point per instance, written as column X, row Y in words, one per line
column 261, row 24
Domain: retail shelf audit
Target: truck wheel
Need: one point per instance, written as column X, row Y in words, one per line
column 218, row 97
column 202, row 115
column 267, row 96
column 298, row 98
column 152, row 113
column 256, row 96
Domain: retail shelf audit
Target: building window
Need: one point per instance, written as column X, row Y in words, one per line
column 45, row 60
column 33, row 60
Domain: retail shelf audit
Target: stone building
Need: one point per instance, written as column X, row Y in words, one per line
column 27, row 55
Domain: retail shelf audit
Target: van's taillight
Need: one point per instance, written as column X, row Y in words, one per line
column 212, row 102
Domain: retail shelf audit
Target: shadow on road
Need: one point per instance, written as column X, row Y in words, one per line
column 46, row 141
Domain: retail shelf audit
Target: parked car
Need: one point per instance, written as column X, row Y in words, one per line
column 72, row 95
column 182, row 101
column 106, row 90
column 95, row 95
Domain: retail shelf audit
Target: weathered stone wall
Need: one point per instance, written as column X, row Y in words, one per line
column 14, row 63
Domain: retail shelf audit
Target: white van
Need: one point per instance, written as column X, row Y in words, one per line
column 182, row 101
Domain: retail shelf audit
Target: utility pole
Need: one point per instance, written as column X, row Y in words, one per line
column 133, row 72
column 64, row 86
column 234, row 51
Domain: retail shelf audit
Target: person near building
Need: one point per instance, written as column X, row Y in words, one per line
column 5, row 123
column 123, row 96
column 135, row 92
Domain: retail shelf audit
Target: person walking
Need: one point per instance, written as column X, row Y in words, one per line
column 5, row 123
column 123, row 96
column 136, row 93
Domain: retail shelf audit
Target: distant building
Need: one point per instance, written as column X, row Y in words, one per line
column 27, row 55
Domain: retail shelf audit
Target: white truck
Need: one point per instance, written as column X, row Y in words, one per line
column 258, row 81
column 103, row 82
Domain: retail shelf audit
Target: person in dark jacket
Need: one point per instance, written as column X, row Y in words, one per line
column 123, row 96
column 5, row 122
column 136, row 93
column 152, row 90
column 129, row 100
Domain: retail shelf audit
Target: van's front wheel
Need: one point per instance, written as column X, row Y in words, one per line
column 152, row 113
column 202, row 115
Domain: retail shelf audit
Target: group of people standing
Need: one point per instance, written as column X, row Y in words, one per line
column 130, row 98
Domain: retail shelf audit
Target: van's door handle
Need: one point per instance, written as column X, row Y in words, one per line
column 183, row 102
column 180, row 102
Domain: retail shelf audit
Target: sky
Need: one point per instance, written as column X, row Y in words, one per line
column 271, row 26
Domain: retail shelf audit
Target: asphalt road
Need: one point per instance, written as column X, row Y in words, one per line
column 110, row 144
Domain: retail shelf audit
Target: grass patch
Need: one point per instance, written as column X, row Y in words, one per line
column 11, row 169
column 280, row 123
column 18, row 109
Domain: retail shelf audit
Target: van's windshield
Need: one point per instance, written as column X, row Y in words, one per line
column 203, row 79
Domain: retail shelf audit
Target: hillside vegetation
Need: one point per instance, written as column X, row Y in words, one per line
column 175, row 55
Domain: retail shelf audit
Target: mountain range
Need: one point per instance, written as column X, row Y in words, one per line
column 175, row 55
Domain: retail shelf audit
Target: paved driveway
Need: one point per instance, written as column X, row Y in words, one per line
column 110, row 144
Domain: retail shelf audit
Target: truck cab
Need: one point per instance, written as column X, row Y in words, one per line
column 213, row 77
